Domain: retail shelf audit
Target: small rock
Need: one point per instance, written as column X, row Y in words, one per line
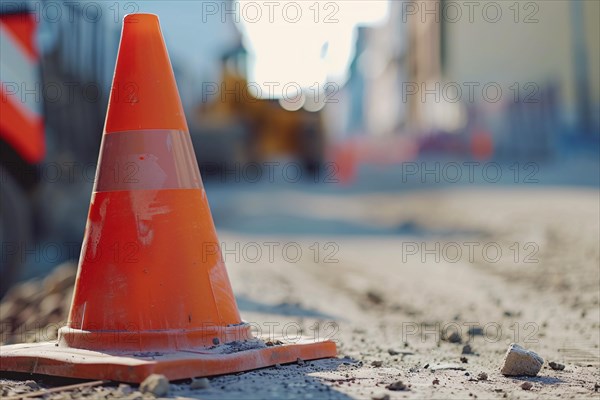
column 375, row 297
column 596, row 387
column 31, row 384
column 201, row 383
column 124, row 390
column 397, row 386
column 381, row 396
column 556, row 366
column 216, row 341
column 475, row 331
column 377, row 363
column 157, row 385
column 436, row 381
column 519, row 361
column 464, row 360
column 467, row 349
column 526, row 385
column 453, row 338
column 393, row 352
column 482, row 376
column 300, row 361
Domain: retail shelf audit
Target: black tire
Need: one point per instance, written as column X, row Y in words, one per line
column 15, row 228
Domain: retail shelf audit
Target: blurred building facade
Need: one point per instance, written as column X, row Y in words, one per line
column 524, row 74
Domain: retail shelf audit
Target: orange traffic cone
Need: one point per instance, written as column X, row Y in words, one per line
column 152, row 293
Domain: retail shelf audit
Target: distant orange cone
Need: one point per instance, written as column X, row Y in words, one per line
column 347, row 162
column 482, row 145
column 152, row 293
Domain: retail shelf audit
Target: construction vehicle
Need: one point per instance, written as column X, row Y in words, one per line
column 235, row 126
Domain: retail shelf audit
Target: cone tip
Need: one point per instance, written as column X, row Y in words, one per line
column 144, row 94
column 140, row 18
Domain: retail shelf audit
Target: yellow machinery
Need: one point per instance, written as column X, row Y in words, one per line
column 259, row 130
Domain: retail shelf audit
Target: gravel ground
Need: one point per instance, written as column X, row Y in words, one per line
column 403, row 307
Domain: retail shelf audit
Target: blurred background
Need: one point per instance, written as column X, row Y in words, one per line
column 291, row 102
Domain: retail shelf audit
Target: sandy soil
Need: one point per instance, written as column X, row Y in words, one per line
column 393, row 301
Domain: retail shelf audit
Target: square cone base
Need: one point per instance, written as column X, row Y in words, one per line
column 49, row 359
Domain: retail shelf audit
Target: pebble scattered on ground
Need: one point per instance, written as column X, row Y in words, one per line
column 467, row 349
column 124, row 390
column 556, row 366
column 398, row 386
column 521, row 362
column 201, row 383
column 454, row 337
column 526, row 385
column 157, row 385
column 31, row 384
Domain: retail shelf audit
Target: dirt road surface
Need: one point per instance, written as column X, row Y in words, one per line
column 437, row 271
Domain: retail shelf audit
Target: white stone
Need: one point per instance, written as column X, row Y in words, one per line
column 155, row 384
column 202, row 383
column 519, row 361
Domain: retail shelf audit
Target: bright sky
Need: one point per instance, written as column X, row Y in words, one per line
column 303, row 43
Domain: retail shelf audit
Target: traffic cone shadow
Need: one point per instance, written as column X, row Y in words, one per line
column 152, row 293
